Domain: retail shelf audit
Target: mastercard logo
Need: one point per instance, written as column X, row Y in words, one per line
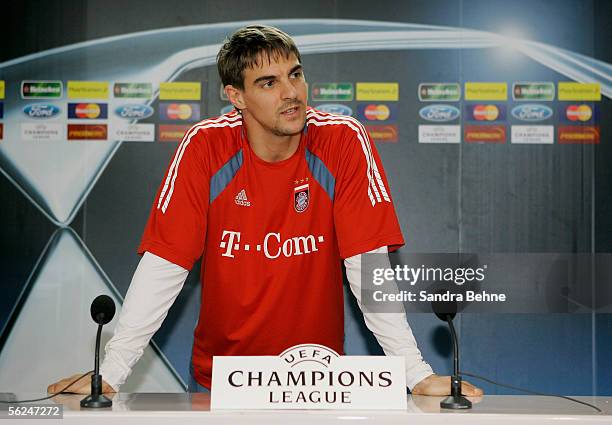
column 377, row 112
column 580, row 113
column 486, row 112
column 87, row 110
column 179, row 111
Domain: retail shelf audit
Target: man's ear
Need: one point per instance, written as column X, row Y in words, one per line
column 235, row 96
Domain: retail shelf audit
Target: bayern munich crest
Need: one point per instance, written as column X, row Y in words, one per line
column 301, row 198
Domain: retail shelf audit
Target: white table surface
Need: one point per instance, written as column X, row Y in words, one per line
column 184, row 408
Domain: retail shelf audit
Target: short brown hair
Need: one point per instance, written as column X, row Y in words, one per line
column 243, row 50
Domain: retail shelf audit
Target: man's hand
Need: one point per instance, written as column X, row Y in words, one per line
column 440, row 385
column 82, row 386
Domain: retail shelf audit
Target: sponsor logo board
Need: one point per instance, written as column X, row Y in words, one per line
column 485, row 112
column 133, row 90
column 42, row 131
column 1, row 110
column 485, row 134
column 41, row 111
column 378, row 91
column 377, row 112
column 1, row 89
column 573, row 134
column 579, row 113
column 172, row 133
column 133, row 111
column 439, row 92
column 579, row 91
column 335, row 108
column 439, row 113
column 486, row 91
column 180, row 91
column 532, row 112
column 87, row 90
column 533, row 91
column 383, row 133
column 439, row 134
column 532, row 134
column 87, row 132
column 1, row 131
column 87, row 111
column 41, row 89
column 134, row 132
column 179, row 111
column 332, row 92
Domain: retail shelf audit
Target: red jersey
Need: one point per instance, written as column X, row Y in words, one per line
column 271, row 235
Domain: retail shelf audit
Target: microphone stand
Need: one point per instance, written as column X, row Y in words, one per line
column 96, row 399
column 455, row 400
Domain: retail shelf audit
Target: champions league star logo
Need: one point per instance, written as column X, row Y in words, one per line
column 301, row 198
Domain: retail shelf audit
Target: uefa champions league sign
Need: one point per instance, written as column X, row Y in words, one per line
column 308, row 376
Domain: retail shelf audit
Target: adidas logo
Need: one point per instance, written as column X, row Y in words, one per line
column 241, row 199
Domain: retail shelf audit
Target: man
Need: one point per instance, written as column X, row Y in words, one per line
column 272, row 196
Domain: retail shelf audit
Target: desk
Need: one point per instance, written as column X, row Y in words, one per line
column 183, row 408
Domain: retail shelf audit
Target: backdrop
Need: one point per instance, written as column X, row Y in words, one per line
column 490, row 118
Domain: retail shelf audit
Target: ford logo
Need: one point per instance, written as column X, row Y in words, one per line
column 135, row 111
column 41, row 110
column 335, row 108
column 531, row 112
column 439, row 113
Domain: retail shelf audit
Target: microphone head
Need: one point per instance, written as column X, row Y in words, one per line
column 102, row 309
column 443, row 309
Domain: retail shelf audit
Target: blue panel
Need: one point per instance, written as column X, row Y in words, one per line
column 221, row 179
column 603, row 350
column 321, row 174
column 541, row 352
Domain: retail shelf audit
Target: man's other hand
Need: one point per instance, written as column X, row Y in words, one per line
column 440, row 385
column 82, row 386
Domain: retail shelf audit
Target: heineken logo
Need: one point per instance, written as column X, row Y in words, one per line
column 332, row 91
column 137, row 90
column 41, row 89
column 430, row 92
column 533, row 91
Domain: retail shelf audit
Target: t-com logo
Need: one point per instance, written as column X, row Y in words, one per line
column 272, row 246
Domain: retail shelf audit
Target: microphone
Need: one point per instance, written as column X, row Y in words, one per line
column 446, row 311
column 102, row 311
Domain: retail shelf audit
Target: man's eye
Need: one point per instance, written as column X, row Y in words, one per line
column 268, row 84
column 297, row 74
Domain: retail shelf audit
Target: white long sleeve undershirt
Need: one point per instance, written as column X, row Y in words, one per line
column 156, row 284
column 390, row 329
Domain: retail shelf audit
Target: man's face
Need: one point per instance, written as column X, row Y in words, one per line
column 274, row 95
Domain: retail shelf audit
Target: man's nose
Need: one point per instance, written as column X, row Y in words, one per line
column 288, row 90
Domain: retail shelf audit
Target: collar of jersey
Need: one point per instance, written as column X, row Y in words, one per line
column 247, row 147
